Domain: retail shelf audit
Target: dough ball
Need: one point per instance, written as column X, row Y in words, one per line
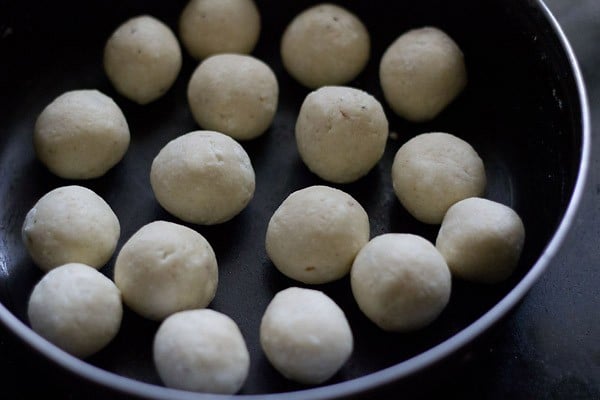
column 305, row 335
column 400, row 281
column 203, row 177
column 325, row 45
column 233, row 94
column 315, row 234
column 81, row 135
column 341, row 133
column 421, row 73
column 481, row 240
column 202, row 351
column 432, row 171
column 76, row 308
column 70, row 224
column 165, row 268
column 142, row 59
column 208, row 27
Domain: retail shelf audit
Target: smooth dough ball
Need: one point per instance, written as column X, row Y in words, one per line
column 81, row 135
column 203, row 177
column 432, row 171
column 165, row 268
column 233, row 94
column 70, row 224
column 400, row 281
column 208, row 27
column 315, row 234
column 341, row 133
column 481, row 240
column 305, row 335
column 325, row 45
column 201, row 351
column 421, row 73
column 77, row 308
column 142, row 59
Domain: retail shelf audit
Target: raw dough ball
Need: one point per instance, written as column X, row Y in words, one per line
column 70, row 224
column 81, row 135
column 233, row 94
column 481, row 240
column 325, row 45
column 432, row 171
column 76, row 308
column 305, row 335
column 202, row 351
column 142, row 59
column 315, row 234
column 210, row 27
column 400, row 281
column 165, row 268
column 203, row 177
column 341, row 133
column 421, row 73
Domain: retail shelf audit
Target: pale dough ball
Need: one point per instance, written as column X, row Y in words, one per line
column 432, row 171
column 201, row 351
column 203, row 177
column 81, row 135
column 208, row 27
column 481, row 240
column 421, row 73
column 70, row 224
column 77, row 308
column 305, row 335
column 400, row 281
column 341, row 133
column 165, row 268
column 325, row 45
column 233, row 94
column 142, row 59
column 315, row 234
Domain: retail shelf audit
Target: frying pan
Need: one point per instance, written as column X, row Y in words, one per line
column 524, row 111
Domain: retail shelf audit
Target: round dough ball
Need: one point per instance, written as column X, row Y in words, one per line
column 481, row 240
column 325, row 45
column 341, row 133
column 400, row 281
column 421, row 73
column 315, row 234
column 76, row 308
column 208, row 27
column 142, row 59
column 203, row 177
column 202, row 351
column 432, row 171
column 165, row 268
column 233, row 94
column 81, row 135
column 70, row 224
column 305, row 335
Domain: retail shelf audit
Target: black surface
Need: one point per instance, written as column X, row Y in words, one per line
column 547, row 348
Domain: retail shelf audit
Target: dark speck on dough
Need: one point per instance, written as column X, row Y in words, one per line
column 309, row 268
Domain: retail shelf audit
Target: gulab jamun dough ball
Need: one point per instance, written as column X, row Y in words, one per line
column 201, row 351
column 315, row 234
column 481, row 240
column 77, row 308
column 432, row 171
column 305, row 335
column 325, row 45
column 81, row 135
column 70, row 224
column 421, row 73
column 233, row 94
column 142, row 59
column 341, row 133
